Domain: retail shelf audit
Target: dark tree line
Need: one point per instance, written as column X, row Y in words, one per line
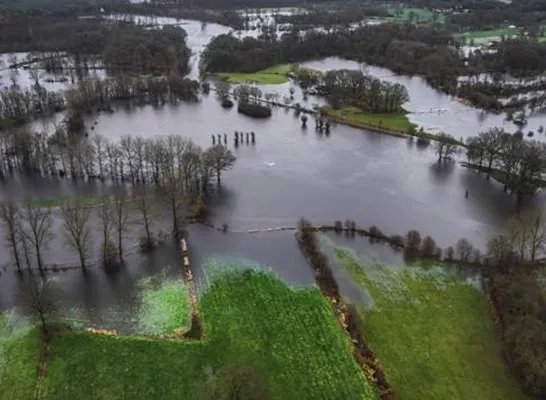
column 354, row 88
column 518, row 164
column 404, row 48
column 342, row 17
column 18, row 107
column 121, row 46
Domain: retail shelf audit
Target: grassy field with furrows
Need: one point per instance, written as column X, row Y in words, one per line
column 432, row 332
column 288, row 338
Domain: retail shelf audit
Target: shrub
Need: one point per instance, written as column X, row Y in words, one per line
column 464, row 249
column 376, row 233
column 109, row 255
column 397, row 240
column 428, row 247
column 146, row 244
column 227, row 103
column 476, row 256
column 254, row 110
column 413, row 240
column 449, row 253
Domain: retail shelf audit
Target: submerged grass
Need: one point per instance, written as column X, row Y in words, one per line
column 164, row 306
column 274, row 75
column 19, row 356
column 58, row 201
column 290, row 337
column 432, row 332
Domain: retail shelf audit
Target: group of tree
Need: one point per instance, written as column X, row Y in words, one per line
column 513, row 268
column 172, row 171
column 404, row 48
column 354, row 88
column 123, row 47
column 518, row 164
column 248, row 102
column 342, row 17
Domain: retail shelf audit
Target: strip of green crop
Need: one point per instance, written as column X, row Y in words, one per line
column 288, row 336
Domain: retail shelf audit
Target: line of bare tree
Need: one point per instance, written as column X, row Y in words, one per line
column 167, row 173
column 518, row 164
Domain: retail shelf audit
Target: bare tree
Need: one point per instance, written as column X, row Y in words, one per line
column 121, row 217
column 77, row 225
column 37, row 228
column 464, row 249
column 220, row 158
column 11, row 215
column 108, row 248
column 43, row 303
column 527, row 232
column 145, row 204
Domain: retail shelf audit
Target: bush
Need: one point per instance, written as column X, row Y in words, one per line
column 254, row 110
column 397, row 240
column 428, row 247
column 376, row 233
column 146, row 244
column 413, row 240
column 464, row 249
column 449, row 253
column 227, row 103
column 109, row 255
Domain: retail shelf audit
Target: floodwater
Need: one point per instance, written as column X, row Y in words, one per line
column 289, row 173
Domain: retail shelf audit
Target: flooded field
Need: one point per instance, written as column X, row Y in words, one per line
column 288, row 173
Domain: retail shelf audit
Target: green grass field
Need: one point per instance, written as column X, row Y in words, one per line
column 432, row 333
column 289, row 336
column 494, row 33
column 58, row 201
column 418, row 14
column 19, row 356
column 164, row 306
column 274, row 75
column 394, row 122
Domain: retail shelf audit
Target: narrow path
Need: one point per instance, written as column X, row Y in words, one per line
column 45, row 347
column 196, row 330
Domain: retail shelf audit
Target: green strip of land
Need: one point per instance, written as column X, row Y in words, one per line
column 493, row 33
column 274, row 75
column 432, row 332
column 289, row 337
column 58, row 201
column 392, row 122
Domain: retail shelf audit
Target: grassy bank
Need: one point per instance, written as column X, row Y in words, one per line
column 432, row 332
column 274, row 75
column 19, row 356
column 492, row 33
column 394, row 122
column 289, row 336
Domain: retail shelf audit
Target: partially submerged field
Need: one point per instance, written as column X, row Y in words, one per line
column 392, row 122
column 288, row 337
column 276, row 74
column 431, row 331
